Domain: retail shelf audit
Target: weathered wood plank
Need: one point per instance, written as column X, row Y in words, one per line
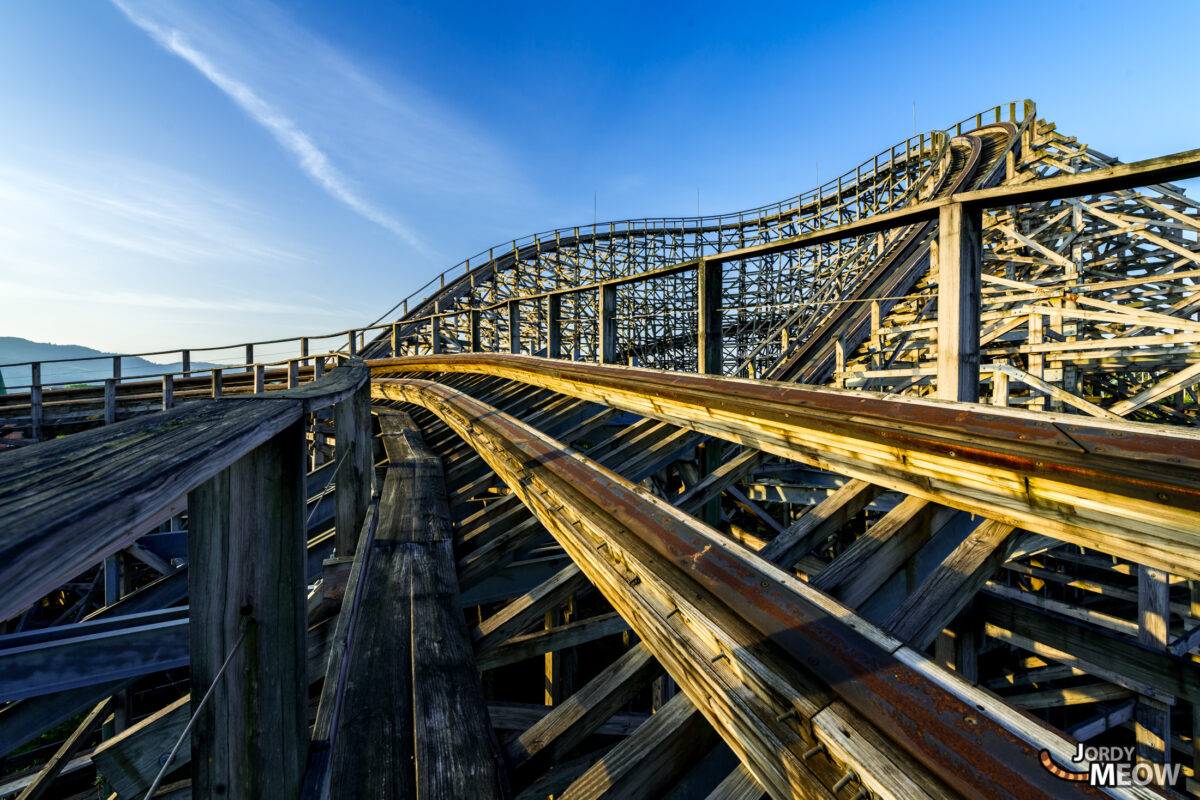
column 130, row 761
column 246, row 555
column 45, row 777
column 572, row 721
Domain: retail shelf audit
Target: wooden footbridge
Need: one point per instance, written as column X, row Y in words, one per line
column 888, row 490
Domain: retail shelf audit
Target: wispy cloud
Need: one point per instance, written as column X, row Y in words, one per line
column 377, row 144
column 128, row 207
column 310, row 157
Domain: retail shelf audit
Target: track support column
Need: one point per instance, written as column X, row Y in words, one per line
column 352, row 430
column 960, row 266
column 474, row 325
column 554, row 326
column 708, row 317
column 606, row 313
column 514, row 327
column 246, row 558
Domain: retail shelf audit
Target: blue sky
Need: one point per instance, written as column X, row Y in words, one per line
column 187, row 174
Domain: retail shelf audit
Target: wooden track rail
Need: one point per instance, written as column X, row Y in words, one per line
column 1128, row 489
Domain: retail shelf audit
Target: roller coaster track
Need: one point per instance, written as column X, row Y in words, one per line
column 711, row 505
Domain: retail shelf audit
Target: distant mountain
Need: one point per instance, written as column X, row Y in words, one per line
column 14, row 349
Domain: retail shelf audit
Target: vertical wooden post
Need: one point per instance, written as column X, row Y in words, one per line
column 259, row 378
column 476, row 345
column 318, row 367
column 116, row 368
column 708, row 318
column 606, row 312
column 514, row 327
column 35, row 401
column 1152, row 718
column 304, row 350
column 395, row 339
column 1000, row 385
column 185, row 361
column 168, row 392
column 960, row 269
column 246, row 557
column 110, row 401
column 554, row 326
column 293, row 374
column 1037, row 362
column 353, row 454
column 216, row 383
column 435, row 334
column 249, row 358
column 353, row 344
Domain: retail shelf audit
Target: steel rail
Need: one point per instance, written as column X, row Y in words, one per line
column 970, row 743
column 1128, row 489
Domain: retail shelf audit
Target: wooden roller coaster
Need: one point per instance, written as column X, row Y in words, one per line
column 884, row 491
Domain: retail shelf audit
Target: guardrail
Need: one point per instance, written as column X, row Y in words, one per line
column 67, row 504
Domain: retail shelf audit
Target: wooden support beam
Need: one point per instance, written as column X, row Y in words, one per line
column 959, row 265
column 130, row 761
column 950, row 587
column 355, row 471
column 650, row 762
column 35, row 401
column 1152, row 719
column 1110, row 656
column 168, row 392
column 45, row 777
column 474, row 332
column 514, row 327
column 864, row 566
column 572, row 634
column 569, row 723
column 740, row 784
column 606, row 312
column 110, row 401
column 435, row 335
column 708, row 321
column 819, row 522
column 246, row 563
column 525, row 610
column 260, row 374
column 554, row 326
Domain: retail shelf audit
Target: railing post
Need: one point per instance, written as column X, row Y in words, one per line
column 110, row 401
column 435, row 334
column 960, row 269
column 185, row 361
column 259, row 378
column 318, row 367
column 116, row 368
column 249, row 358
column 708, row 310
column 304, row 350
column 216, row 383
column 168, row 392
column 353, row 453
column 353, row 344
column 246, row 559
column 395, row 339
column 606, row 312
column 514, row 326
column 35, row 401
column 554, row 326
column 476, row 345
column 293, row 374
